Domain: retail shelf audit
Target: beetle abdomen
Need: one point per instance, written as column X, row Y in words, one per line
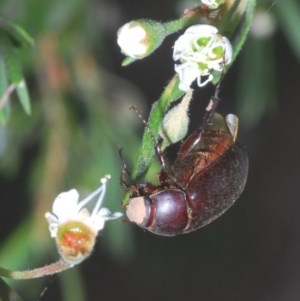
column 216, row 188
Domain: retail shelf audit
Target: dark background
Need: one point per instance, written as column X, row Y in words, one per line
column 249, row 253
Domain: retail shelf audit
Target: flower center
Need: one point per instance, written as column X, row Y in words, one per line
column 75, row 240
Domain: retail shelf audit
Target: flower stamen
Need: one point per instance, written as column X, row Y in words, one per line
column 199, row 52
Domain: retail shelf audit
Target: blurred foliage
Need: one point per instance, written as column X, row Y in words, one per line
column 12, row 38
column 257, row 86
column 79, row 121
column 80, row 115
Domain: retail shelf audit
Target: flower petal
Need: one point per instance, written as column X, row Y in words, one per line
column 228, row 50
column 199, row 52
column 201, row 30
column 102, row 216
column 130, row 40
column 66, row 204
column 187, row 74
column 53, row 223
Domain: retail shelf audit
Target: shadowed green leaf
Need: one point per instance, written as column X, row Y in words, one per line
column 7, row 294
column 256, row 94
column 13, row 67
column 159, row 108
column 17, row 34
column 23, row 95
column 4, row 105
column 240, row 38
column 288, row 13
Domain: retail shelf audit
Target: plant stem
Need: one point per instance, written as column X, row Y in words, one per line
column 50, row 269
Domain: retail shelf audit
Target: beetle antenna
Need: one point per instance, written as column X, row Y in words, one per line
column 213, row 102
column 211, row 108
column 124, row 171
column 158, row 150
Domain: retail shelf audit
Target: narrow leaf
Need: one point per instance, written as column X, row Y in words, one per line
column 127, row 61
column 147, row 151
column 288, row 13
column 7, row 293
column 23, row 95
column 13, row 67
column 17, row 34
column 242, row 34
column 257, row 94
column 4, row 104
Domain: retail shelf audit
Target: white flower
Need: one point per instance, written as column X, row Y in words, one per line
column 212, row 4
column 73, row 226
column 132, row 40
column 200, row 51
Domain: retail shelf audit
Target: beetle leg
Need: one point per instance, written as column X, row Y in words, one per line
column 165, row 173
column 158, row 150
column 196, row 137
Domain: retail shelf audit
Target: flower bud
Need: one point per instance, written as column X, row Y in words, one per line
column 175, row 124
column 138, row 39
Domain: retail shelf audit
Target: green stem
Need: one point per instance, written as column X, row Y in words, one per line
column 176, row 25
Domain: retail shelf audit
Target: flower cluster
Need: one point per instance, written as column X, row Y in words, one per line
column 200, row 51
column 74, row 227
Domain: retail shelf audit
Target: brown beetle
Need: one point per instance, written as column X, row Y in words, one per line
column 207, row 177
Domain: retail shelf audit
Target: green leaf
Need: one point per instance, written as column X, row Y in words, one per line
column 231, row 18
column 5, row 114
column 147, row 150
column 127, row 61
column 7, row 293
column 4, row 107
column 241, row 36
column 256, row 94
column 23, row 95
column 13, row 66
column 72, row 286
column 3, row 77
column 289, row 15
column 236, row 25
column 62, row 15
column 12, row 72
column 17, row 34
column 16, row 248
